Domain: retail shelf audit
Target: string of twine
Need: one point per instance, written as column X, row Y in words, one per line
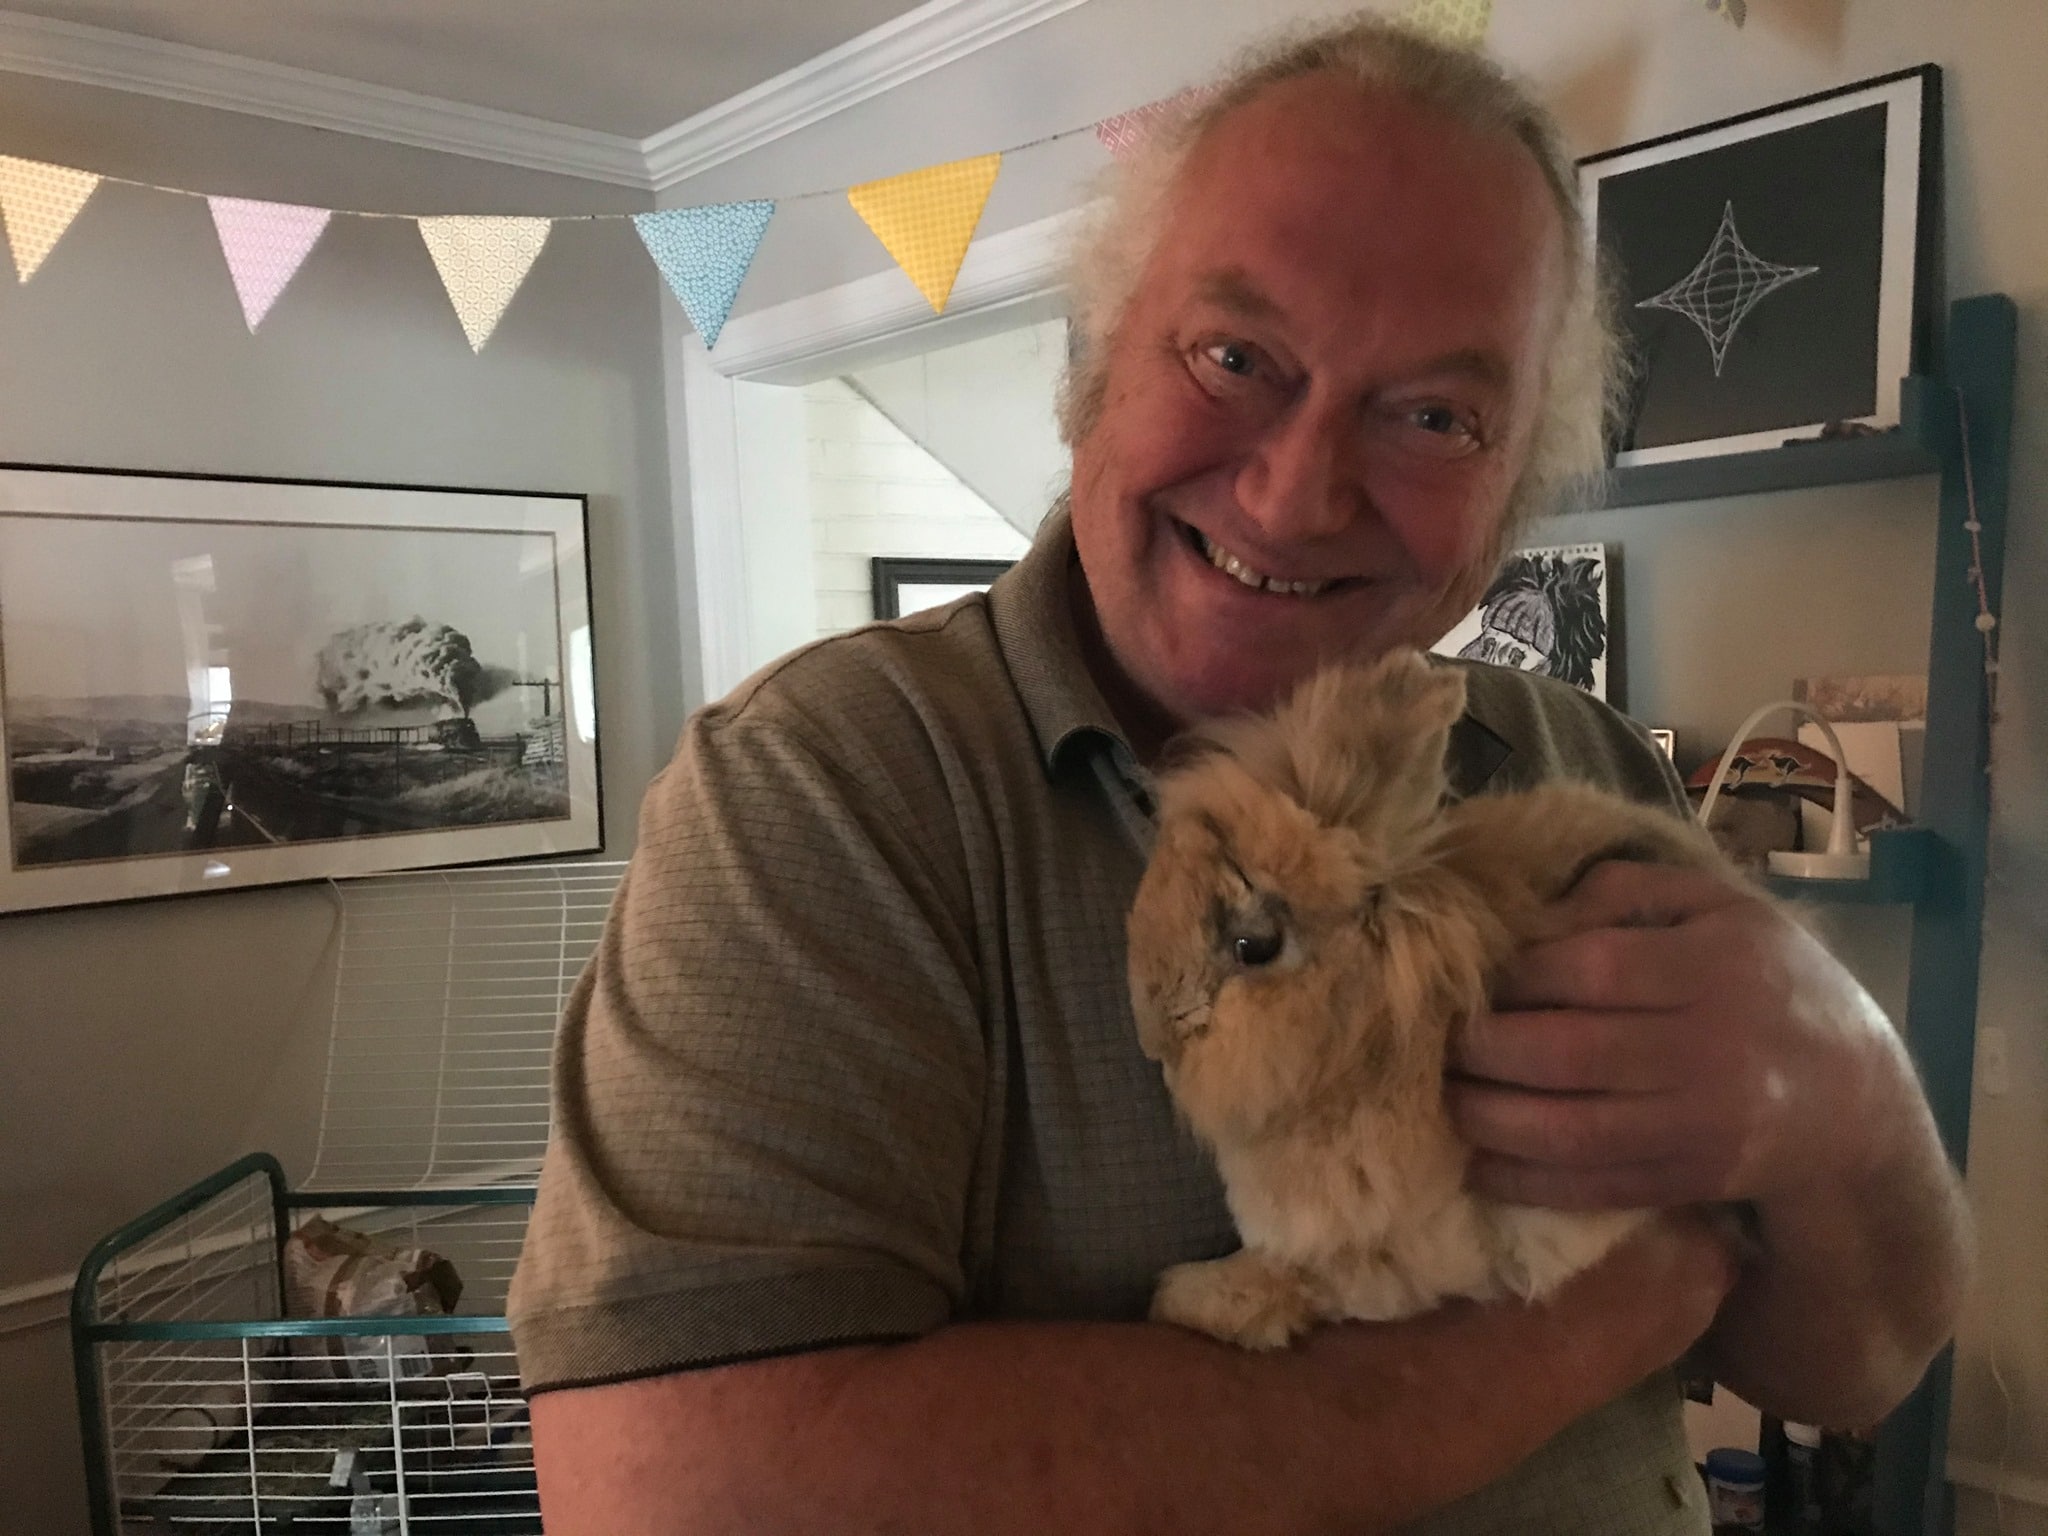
column 602, row 218
column 1987, row 621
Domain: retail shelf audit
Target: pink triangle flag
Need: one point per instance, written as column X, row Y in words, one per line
column 264, row 244
column 1127, row 130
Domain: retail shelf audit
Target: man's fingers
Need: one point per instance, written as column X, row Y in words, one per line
column 1611, row 1187
column 1639, row 968
column 1568, row 1130
column 1568, row 1050
column 1623, row 893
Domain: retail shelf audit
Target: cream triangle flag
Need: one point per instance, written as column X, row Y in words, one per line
column 926, row 219
column 482, row 261
column 1463, row 22
column 39, row 202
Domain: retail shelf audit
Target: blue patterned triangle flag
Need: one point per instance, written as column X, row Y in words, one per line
column 704, row 254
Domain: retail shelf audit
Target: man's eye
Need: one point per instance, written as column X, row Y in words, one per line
column 1445, row 429
column 1239, row 359
column 1233, row 357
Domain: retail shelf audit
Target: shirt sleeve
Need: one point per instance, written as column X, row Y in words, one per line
column 769, row 1080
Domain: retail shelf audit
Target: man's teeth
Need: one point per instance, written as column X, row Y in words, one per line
column 1230, row 565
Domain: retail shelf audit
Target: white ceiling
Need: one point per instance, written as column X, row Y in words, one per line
column 627, row 68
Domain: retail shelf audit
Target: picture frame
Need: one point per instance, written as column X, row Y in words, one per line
column 1547, row 610
column 220, row 682
column 904, row 585
column 1774, row 272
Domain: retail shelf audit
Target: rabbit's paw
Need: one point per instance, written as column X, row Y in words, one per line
column 1244, row 1299
column 1544, row 1248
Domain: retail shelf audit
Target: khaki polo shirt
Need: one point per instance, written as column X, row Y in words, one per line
column 854, row 1058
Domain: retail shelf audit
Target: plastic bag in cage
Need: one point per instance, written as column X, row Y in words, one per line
column 331, row 1271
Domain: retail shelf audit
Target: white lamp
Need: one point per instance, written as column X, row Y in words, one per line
column 1842, row 860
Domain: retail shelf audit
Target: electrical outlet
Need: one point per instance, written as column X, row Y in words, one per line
column 1994, row 1072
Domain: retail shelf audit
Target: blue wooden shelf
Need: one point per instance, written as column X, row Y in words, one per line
column 1915, row 447
column 1938, row 868
column 1903, row 865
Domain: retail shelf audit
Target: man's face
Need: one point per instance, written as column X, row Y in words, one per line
column 1327, row 379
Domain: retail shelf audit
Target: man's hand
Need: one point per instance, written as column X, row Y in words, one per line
column 1683, row 1041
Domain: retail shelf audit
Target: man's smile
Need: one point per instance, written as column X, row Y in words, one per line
column 1245, row 575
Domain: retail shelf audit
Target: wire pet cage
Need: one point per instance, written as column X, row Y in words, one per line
column 206, row 1407
column 207, row 1410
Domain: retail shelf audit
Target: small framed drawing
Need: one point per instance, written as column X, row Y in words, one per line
column 1546, row 611
column 905, row 586
column 215, row 683
column 1773, row 272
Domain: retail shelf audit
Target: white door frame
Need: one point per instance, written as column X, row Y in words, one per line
column 1007, row 280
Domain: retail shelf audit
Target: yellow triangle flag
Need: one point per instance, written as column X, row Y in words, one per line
column 39, row 202
column 1459, row 22
column 926, row 219
column 482, row 262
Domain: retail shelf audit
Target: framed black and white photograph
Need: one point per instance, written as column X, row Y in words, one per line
column 905, row 586
column 1773, row 271
column 214, row 683
column 1546, row 611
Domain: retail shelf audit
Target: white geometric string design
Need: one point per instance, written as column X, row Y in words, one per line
column 1729, row 282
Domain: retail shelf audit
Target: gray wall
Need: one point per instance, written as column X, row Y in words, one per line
column 141, row 1046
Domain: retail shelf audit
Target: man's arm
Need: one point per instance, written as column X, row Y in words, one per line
column 1078, row 1428
column 1687, row 1042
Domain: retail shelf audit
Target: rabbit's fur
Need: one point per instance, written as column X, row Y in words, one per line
column 1315, row 1076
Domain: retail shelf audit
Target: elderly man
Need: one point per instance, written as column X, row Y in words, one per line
column 861, row 1182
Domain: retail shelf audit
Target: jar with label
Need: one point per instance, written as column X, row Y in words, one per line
column 1735, row 1491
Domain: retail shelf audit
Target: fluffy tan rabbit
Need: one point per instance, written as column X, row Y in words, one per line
column 1313, row 924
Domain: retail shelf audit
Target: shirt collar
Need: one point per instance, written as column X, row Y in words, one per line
column 1032, row 611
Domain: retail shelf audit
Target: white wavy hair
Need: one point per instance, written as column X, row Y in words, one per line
column 1583, row 373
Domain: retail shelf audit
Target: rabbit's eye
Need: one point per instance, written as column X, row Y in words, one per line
column 1252, row 949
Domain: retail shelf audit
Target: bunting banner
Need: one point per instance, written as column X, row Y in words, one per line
column 925, row 219
column 265, row 244
column 38, row 203
column 482, row 262
column 1461, row 22
column 703, row 254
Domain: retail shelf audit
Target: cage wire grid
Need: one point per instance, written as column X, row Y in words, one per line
column 222, row 1414
column 218, row 1419
column 447, row 991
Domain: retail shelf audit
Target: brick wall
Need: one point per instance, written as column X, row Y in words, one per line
column 875, row 492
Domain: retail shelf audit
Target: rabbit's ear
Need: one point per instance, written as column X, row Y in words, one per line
column 1369, row 739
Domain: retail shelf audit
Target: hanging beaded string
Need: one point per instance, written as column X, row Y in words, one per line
column 1987, row 621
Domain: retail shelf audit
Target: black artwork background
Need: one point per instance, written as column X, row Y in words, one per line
column 1806, row 196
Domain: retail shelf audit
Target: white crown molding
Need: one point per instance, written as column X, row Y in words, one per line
column 879, row 60
column 827, row 333
column 82, row 55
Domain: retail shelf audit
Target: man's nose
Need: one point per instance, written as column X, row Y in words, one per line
column 1302, row 480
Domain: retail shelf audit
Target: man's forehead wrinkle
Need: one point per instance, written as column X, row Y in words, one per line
column 1479, row 363
column 1233, row 289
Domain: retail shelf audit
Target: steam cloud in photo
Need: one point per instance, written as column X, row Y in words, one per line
column 395, row 665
